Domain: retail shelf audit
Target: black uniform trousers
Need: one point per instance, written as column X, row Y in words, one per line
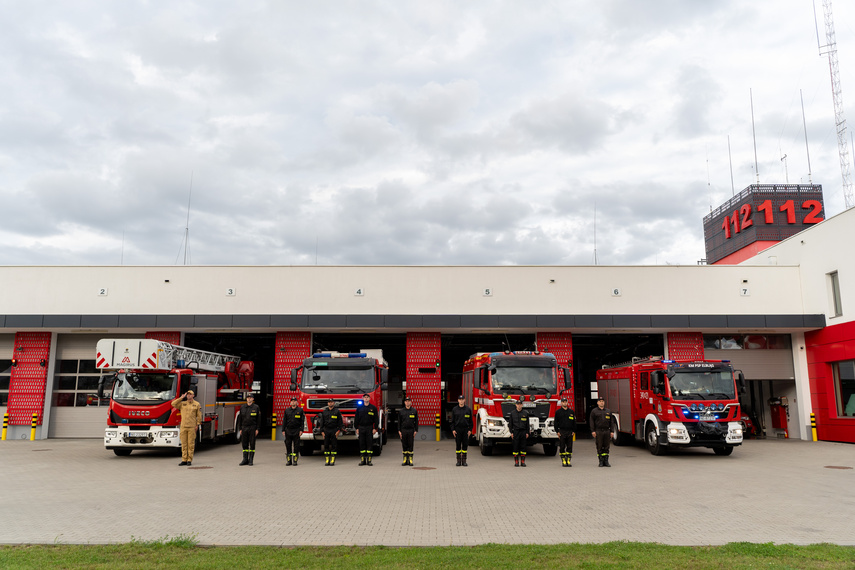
column 408, row 436
column 604, row 441
column 462, row 441
column 366, row 439
column 330, row 441
column 292, row 441
column 519, row 442
column 247, row 438
column 565, row 442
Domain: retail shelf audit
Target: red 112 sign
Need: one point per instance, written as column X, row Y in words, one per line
column 742, row 218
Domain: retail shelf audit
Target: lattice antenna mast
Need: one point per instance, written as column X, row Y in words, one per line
column 830, row 49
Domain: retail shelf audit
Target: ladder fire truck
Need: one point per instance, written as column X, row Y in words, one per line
column 494, row 381
column 147, row 375
column 343, row 377
column 674, row 404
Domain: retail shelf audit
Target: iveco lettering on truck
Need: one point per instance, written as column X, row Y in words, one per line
column 494, row 381
column 145, row 375
column 343, row 377
column 674, row 404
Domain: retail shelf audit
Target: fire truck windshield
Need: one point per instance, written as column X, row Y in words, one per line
column 523, row 379
column 703, row 385
column 150, row 387
column 344, row 380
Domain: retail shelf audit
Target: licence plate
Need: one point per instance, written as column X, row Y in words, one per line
column 528, row 404
column 137, row 434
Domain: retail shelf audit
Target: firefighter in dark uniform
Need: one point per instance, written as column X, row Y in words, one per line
column 292, row 428
column 408, row 426
column 520, row 431
column 366, row 422
column 601, row 429
column 330, row 424
column 248, row 422
column 461, row 427
column 565, row 425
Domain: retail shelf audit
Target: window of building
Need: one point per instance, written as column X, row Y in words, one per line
column 5, row 380
column 836, row 304
column 75, row 383
column 747, row 341
column 844, row 387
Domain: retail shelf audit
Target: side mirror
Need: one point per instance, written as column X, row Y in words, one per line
column 102, row 381
column 384, row 386
column 294, row 379
column 740, row 381
column 384, row 377
column 568, row 380
column 656, row 388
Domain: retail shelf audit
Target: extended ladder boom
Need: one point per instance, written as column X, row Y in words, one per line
column 113, row 354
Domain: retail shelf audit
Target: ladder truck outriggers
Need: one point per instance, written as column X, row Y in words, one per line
column 674, row 404
column 343, row 377
column 494, row 381
column 144, row 376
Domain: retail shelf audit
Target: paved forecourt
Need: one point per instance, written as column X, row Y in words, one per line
column 73, row 491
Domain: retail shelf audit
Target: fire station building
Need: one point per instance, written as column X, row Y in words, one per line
column 784, row 317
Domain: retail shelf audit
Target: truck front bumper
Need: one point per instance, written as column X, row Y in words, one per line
column 497, row 430
column 702, row 434
column 128, row 437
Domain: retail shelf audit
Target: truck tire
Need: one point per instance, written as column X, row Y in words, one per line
column 723, row 450
column 307, row 449
column 122, row 452
column 617, row 436
column 485, row 445
column 550, row 449
column 651, row 440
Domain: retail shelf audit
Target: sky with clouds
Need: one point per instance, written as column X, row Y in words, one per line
column 402, row 133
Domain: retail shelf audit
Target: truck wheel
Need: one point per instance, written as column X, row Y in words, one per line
column 486, row 445
column 377, row 449
column 122, row 452
column 307, row 449
column 617, row 436
column 652, row 441
column 550, row 449
column 723, row 450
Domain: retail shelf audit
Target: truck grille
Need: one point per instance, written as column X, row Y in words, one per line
column 320, row 403
column 707, row 431
column 540, row 409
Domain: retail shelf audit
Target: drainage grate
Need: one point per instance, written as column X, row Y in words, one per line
column 424, row 468
column 202, row 467
column 836, row 467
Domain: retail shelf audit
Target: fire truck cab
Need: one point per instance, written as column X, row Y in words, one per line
column 343, row 377
column 494, row 381
column 673, row 404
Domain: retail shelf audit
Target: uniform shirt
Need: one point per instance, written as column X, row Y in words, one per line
column 461, row 418
column 408, row 419
column 366, row 416
column 331, row 419
column 191, row 412
column 565, row 420
column 601, row 420
column 293, row 419
column 519, row 421
column 249, row 417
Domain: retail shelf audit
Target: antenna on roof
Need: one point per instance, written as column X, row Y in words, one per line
column 730, row 158
column 804, row 124
column 754, row 134
column 595, row 232
column 186, row 240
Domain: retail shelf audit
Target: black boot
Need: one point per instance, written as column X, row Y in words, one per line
column 569, row 455
column 406, row 460
column 295, row 459
column 601, row 461
column 606, row 461
column 245, row 459
column 287, row 463
column 332, row 459
column 516, row 460
column 459, row 460
column 411, row 459
column 327, row 458
column 251, row 456
column 364, row 461
column 369, row 460
column 522, row 461
column 464, row 459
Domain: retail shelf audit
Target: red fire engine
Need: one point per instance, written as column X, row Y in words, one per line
column 493, row 381
column 343, row 377
column 673, row 404
column 149, row 374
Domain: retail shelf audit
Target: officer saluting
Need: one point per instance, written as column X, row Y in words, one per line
column 461, row 427
column 565, row 424
column 366, row 422
column 520, row 431
column 601, row 429
column 330, row 422
column 408, row 426
column 292, row 427
column 248, row 422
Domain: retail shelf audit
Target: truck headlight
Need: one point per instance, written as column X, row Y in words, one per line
column 495, row 423
column 169, row 434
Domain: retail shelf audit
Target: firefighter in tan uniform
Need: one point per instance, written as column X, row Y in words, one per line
column 191, row 422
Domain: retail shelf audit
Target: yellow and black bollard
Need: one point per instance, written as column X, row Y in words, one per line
column 812, row 426
column 273, row 431
column 5, row 426
column 437, row 427
column 33, row 427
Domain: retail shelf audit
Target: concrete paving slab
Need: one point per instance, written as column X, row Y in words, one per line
column 74, row 491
